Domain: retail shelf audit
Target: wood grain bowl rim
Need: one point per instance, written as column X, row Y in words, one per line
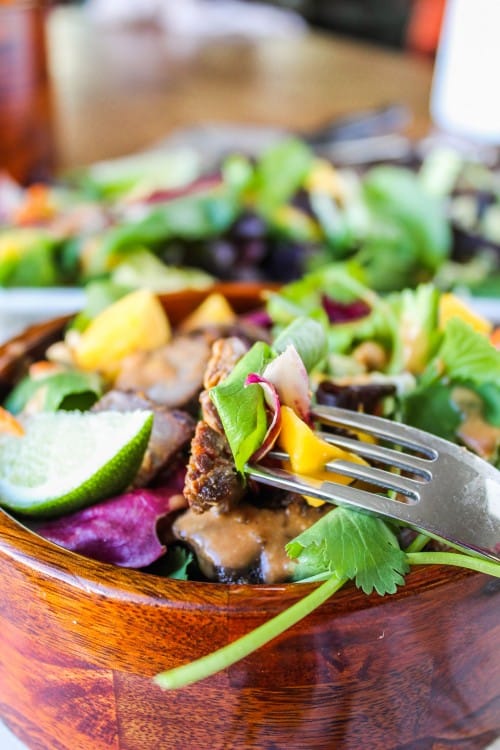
column 27, row 548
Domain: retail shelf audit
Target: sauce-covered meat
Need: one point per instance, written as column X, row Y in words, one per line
column 246, row 544
column 225, row 354
column 171, row 375
column 211, row 477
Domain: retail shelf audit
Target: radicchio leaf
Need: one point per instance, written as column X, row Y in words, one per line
column 288, row 375
column 258, row 318
column 165, row 195
column 344, row 312
column 121, row 530
column 272, row 400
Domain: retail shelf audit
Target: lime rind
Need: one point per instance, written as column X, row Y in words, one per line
column 69, row 460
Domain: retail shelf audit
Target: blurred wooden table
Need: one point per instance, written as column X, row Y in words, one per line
column 119, row 90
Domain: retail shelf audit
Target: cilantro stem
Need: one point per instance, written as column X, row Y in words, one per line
column 455, row 558
column 233, row 652
column 418, row 543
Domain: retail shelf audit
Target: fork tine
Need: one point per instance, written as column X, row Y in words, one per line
column 380, row 477
column 330, row 492
column 404, row 461
column 392, row 432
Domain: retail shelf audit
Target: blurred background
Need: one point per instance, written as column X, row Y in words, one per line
column 121, row 121
column 182, row 63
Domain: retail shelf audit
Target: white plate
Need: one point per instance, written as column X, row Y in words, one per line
column 487, row 307
column 20, row 308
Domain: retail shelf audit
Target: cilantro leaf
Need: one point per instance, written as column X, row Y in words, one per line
column 464, row 355
column 352, row 545
column 61, row 390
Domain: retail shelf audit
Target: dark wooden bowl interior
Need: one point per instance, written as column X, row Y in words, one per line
column 80, row 641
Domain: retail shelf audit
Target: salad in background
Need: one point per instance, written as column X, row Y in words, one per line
column 158, row 220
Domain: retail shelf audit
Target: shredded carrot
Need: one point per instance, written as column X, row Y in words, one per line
column 36, row 207
column 9, row 424
column 495, row 337
column 43, row 368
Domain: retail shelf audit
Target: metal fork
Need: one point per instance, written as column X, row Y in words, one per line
column 452, row 495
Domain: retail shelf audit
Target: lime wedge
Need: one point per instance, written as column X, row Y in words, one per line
column 68, row 460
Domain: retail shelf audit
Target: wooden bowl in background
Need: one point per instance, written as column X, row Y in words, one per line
column 80, row 642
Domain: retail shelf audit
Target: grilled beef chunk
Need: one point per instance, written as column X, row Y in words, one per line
column 246, row 544
column 211, row 477
column 225, row 354
column 245, row 331
column 171, row 375
column 172, row 431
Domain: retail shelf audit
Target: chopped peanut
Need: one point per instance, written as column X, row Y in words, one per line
column 370, row 355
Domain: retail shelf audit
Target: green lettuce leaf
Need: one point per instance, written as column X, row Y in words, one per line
column 279, row 173
column 241, row 408
column 396, row 195
column 308, row 337
column 416, row 311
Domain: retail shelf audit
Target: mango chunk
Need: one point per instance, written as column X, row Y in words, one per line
column 136, row 322
column 214, row 310
column 308, row 453
column 450, row 306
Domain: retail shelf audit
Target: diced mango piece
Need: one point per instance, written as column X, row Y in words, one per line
column 136, row 322
column 308, row 453
column 450, row 306
column 214, row 310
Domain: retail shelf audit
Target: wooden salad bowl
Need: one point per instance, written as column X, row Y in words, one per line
column 81, row 641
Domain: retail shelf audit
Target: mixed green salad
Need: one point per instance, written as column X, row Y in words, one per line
column 160, row 221
column 179, row 413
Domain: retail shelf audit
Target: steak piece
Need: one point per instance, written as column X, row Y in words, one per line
column 171, row 375
column 223, row 357
column 225, row 354
column 211, row 477
column 246, row 331
column 171, row 432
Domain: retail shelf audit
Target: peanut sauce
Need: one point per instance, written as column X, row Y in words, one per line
column 246, row 538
